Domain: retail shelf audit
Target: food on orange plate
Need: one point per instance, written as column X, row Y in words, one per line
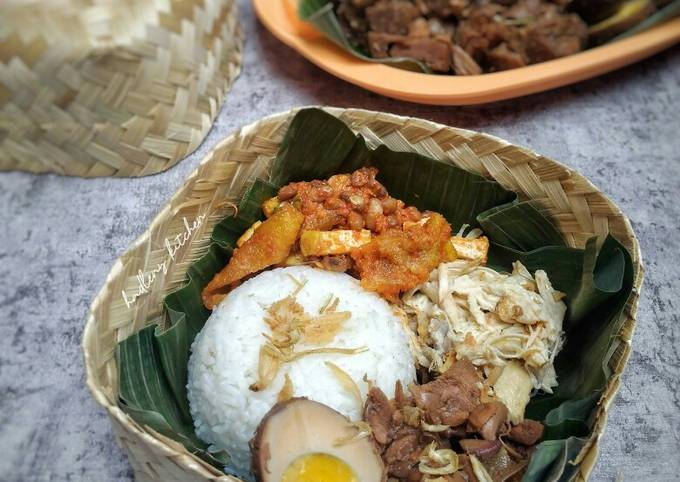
column 472, row 37
column 269, row 244
column 401, row 259
column 464, row 37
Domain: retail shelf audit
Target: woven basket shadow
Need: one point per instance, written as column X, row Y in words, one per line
column 112, row 87
column 578, row 207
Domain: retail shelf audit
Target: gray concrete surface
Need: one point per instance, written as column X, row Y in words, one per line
column 59, row 237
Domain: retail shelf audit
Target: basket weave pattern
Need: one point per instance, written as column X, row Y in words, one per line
column 580, row 209
column 112, row 87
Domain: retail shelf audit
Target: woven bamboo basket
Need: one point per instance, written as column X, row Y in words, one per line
column 112, row 87
column 579, row 208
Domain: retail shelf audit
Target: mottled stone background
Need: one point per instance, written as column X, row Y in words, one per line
column 60, row 236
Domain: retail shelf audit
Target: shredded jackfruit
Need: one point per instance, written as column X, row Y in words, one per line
column 489, row 318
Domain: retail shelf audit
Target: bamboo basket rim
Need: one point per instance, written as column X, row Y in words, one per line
column 588, row 456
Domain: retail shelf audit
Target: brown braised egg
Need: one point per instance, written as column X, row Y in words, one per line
column 305, row 441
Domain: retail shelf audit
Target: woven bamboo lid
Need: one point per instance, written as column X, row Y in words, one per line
column 112, row 87
column 208, row 193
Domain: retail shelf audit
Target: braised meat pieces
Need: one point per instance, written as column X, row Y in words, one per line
column 465, row 37
column 449, row 399
column 447, row 414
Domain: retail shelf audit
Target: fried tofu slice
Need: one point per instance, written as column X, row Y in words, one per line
column 269, row 244
column 399, row 260
column 471, row 249
column 341, row 241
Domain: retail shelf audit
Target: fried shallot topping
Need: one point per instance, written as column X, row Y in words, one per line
column 291, row 325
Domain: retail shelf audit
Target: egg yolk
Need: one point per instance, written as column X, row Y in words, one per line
column 318, row 467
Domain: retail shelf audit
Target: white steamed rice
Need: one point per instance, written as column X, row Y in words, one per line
column 224, row 357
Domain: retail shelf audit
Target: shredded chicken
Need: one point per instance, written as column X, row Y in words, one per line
column 488, row 318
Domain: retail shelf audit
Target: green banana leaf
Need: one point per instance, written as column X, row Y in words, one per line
column 598, row 284
column 146, row 396
column 552, row 461
column 321, row 14
column 521, row 226
column 571, row 418
column 317, row 145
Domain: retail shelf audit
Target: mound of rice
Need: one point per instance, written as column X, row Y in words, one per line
column 225, row 355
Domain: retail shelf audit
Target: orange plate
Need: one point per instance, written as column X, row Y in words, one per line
column 279, row 17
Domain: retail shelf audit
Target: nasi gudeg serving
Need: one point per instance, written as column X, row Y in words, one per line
column 373, row 341
column 346, row 324
column 469, row 37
